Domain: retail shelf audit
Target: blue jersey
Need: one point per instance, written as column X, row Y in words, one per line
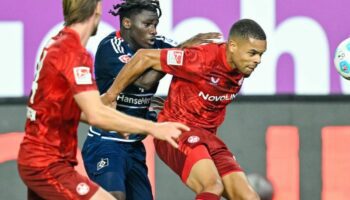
column 111, row 56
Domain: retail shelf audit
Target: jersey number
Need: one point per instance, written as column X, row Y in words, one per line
column 38, row 69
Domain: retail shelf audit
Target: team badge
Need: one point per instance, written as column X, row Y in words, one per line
column 82, row 75
column 124, row 58
column 82, row 188
column 102, row 163
column 193, row 139
column 175, row 57
column 214, row 80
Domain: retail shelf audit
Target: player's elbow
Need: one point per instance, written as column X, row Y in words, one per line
column 143, row 56
column 94, row 118
column 148, row 57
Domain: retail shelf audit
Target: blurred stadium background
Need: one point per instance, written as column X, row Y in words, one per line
column 290, row 123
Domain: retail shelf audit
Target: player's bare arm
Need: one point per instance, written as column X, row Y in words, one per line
column 200, row 38
column 151, row 77
column 143, row 60
column 99, row 115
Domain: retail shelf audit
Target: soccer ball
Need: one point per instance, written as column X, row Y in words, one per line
column 342, row 59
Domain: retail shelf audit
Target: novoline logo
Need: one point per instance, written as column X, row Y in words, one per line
column 216, row 98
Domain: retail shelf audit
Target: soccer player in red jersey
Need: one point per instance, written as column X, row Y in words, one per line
column 206, row 79
column 64, row 92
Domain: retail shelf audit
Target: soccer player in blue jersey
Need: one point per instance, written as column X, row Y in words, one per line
column 117, row 163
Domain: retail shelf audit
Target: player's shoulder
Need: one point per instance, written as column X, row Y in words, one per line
column 211, row 49
column 164, row 42
column 111, row 43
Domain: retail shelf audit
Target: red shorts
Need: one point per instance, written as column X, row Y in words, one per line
column 195, row 145
column 57, row 181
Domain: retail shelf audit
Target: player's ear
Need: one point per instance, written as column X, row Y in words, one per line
column 126, row 23
column 232, row 45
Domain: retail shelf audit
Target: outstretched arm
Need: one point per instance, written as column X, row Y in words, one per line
column 99, row 115
column 144, row 59
column 200, row 38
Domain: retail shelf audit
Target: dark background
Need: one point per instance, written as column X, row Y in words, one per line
column 243, row 131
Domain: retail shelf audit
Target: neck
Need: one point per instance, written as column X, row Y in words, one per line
column 229, row 57
column 84, row 30
column 126, row 37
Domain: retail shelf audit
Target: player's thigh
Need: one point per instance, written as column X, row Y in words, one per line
column 57, row 181
column 138, row 186
column 102, row 194
column 203, row 175
column 236, row 186
column 111, row 176
column 107, row 165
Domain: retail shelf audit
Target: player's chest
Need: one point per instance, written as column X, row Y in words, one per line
column 219, row 82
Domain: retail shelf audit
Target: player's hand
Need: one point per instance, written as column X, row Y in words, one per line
column 168, row 131
column 124, row 135
column 200, row 39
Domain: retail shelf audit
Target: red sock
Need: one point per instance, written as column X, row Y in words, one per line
column 207, row 196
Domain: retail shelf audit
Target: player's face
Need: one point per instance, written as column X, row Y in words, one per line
column 245, row 54
column 143, row 29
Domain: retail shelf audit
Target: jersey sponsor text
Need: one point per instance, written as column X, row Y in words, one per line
column 208, row 97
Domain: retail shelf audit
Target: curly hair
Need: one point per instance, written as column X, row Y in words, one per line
column 132, row 7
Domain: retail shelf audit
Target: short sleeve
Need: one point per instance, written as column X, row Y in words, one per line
column 183, row 63
column 109, row 60
column 77, row 69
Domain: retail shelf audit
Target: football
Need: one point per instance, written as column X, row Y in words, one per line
column 342, row 58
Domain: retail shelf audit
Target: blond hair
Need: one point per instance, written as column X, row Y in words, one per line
column 75, row 11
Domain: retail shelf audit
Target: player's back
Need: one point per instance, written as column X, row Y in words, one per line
column 52, row 114
column 201, row 87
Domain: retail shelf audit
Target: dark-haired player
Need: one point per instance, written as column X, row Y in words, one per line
column 63, row 92
column 206, row 79
column 114, row 162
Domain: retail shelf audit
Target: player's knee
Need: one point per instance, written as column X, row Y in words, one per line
column 118, row 195
column 214, row 185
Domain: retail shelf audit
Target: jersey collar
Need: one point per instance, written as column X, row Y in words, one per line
column 118, row 34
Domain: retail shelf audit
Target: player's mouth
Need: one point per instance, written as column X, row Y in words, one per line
column 152, row 40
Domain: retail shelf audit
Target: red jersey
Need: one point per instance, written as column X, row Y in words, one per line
column 202, row 86
column 52, row 114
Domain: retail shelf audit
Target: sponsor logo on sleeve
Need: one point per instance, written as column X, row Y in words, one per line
column 175, row 57
column 82, row 75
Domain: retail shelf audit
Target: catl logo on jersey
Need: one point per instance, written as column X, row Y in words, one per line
column 175, row 57
column 82, row 75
